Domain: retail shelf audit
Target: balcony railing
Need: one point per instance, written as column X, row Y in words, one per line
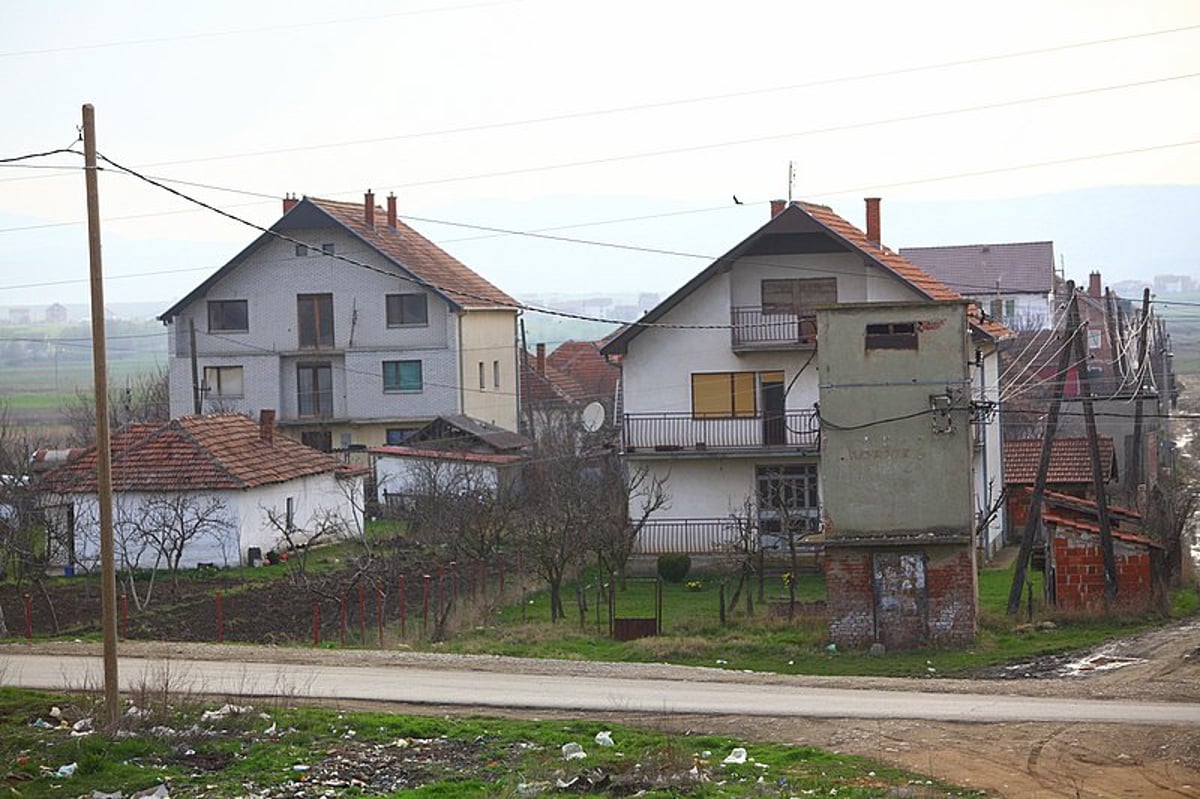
column 756, row 328
column 670, row 432
column 720, row 536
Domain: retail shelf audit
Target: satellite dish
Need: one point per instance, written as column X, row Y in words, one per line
column 593, row 417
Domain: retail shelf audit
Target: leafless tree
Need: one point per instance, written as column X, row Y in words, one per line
column 626, row 499
column 172, row 522
column 785, row 500
column 459, row 510
column 144, row 399
column 742, row 551
column 324, row 524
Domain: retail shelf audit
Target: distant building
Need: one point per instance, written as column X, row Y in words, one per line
column 1173, row 284
column 19, row 315
column 57, row 314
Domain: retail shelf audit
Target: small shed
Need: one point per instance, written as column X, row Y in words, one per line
column 1070, row 472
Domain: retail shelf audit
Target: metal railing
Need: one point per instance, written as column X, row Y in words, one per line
column 794, row 430
column 688, row 536
column 752, row 326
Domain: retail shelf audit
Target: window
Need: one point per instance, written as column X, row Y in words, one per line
column 1095, row 341
column 402, row 376
column 327, row 248
column 315, row 317
column 398, row 435
column 321, row 440
column 482, row 380
column 407, row 309
column 314, row 389
column 301, row 250
column 723, row 395
column 798, row 296
column 290, row 518
column 495, row 374
column 892, row 336
column 788, row 493
column 228, row 316
column 223, row 382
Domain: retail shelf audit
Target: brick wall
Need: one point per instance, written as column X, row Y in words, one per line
column 942, row 611
column 1078, row 562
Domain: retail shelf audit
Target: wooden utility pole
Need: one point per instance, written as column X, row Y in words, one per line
column 1089, row 416
column 1135, row 448
column 197, row 393
column 108, row 574
column 1039, row 485
column 1116, row 341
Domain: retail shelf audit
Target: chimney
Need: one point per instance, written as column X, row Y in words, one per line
column 266, row 425
column 873, row 219
column 541, row 359
column 392, row 211
column 777, row 207
column 289, row 202
column 1094, row 289
column 369, row 208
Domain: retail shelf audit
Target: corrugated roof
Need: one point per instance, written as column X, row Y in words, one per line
column 497, row 459
column 1070, row 460
column 977, row 269
column 219, row 451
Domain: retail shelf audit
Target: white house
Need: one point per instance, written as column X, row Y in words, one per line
column 404, row 473
column 220, row 485
column 720, row 380
column 351, row 324
column 1013, row 283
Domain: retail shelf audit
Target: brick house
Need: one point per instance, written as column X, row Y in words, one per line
column 233, row 479
column 350, row 323
column 1070, row 472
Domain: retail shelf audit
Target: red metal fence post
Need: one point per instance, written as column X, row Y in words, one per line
column 425, row 609
column 379, row 613
column 403, row 607
column 362, row 615
column 220, row 620
column 500, row 569
column 124, row 616
column 28, row 617
column 342, row 624
column 316, row 622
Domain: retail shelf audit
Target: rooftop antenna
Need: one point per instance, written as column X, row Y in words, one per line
column 791, row 180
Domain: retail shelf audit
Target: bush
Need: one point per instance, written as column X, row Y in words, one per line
column 673, row 568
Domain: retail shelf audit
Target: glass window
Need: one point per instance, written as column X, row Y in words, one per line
column 407, row 309
column 327, row 248
column 301, row 250
column 723, row 395
column 314, row 389
column 788, row 493
column 398, row 435
column 319, row 440
column 798, row 296
column 495, row 374
column 223, row 382
column 315, row 318
column 402, row 376
column 228, row 315
column 892, row 336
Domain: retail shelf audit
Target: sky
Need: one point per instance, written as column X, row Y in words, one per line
column 627, row 127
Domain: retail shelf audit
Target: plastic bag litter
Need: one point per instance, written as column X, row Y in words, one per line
column 604, row 738
column 157, row 792
column 573, row 751
column 66, row 770
column 98, row 794
column 224, row 711
column 737, row 756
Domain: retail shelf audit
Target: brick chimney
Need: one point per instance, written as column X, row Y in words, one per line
column 369, row 208
column 289, row 202
column 873, row 219
column 1094, row 289
column 266, row 425
column 392, row 211
column 777, row 207
column 541, row 359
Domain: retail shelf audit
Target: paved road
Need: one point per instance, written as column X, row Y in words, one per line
column 517, row 690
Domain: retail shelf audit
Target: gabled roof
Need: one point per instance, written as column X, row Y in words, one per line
column 494, row 459
column 584, row 362
column 548, row 387
column 195, row 453
column 1070, row 460
column 810, row 228
column 459, row 430
column 1079, row 525
column 412, row 254
column 979, row 269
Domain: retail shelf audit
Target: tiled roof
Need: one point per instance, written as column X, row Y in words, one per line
column 976, row 269
column 1087, row 527
column 418, row 255
column 1085, row 505
column 219, row 451
column 549, row 387
column 1070, row 460
column 498, row 459
column 583, row 362
column 453, row 432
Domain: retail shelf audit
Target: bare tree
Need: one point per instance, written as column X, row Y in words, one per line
column 172, row 522
column 459, row 509
column 626, row 499
column 787, row 501
column 144, row 399
column 743, row 553
column 324, row 524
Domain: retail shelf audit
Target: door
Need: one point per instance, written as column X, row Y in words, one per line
column 774, row 432
column 901, row 600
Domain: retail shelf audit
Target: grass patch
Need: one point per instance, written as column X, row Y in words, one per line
column 288, row 751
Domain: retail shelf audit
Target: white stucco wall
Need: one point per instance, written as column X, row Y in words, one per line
column 988, row 461
column 397, row 474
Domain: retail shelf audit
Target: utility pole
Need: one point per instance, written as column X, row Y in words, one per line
column 1034, row 517
column 1116, row 341
column 1089, row 415
column 197, row 393
column 1135, row 447
column 108, row 574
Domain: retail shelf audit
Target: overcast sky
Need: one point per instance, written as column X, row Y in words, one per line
column 531, row 114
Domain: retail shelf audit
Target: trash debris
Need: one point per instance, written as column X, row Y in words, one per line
column 224, row 711
column 98, row 794
column 41, row 724
column 604, row 738
column 157, row 792
column 82, row 726
column 66, row 770
column 272, row 730
column 300, row 768
column 573, row 751
column 531, row 788
column 737, row 756
column 832, row 649
column 55, row 712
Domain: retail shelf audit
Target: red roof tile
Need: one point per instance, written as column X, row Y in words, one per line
column 551, row 387
column 582, row 361
column 1050, row 517
column 1070, row 460
column 219, row 451
column 424, row 259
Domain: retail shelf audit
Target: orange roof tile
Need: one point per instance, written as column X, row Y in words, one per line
column 219, row 451
column 1070, row 460
column 424, row 259
column 582, row 361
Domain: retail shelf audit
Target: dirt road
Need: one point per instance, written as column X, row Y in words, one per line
column 1019, row 759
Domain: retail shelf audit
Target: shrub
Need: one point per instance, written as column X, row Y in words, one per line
column 673, row 568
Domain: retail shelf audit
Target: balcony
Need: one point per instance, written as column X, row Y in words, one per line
column 754, row 328
column 682, row 432
column 720, row 536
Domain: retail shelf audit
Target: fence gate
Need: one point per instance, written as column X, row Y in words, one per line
column 627, row 628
